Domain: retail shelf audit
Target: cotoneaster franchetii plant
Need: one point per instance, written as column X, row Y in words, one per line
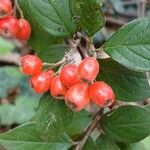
column 91, row 98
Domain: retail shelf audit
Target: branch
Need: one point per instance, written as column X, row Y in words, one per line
column 117, row 23
column 11, row 58
column 18, row 8
column 132, row 2
column 141, row 8
column 90, row 129
column 53, row 65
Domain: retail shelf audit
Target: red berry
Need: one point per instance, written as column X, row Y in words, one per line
column 51, row 73
column 30, row 64
column 88, row 69
column 69, row 75
column 57, row 88
column 9, row 27
column 24, row 31
column 102, row 94
column 77, row 97
column 41, row 82
column 5, row 8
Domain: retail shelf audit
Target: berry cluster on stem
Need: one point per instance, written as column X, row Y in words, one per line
column 75, row 84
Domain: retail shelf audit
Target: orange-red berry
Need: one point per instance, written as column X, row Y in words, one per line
column 69, row 75
column 57, row 89
column 30, row 64
column 9, row 27
column 77, row 97
column 88, row 69
column 41, row 82
column 5, row 8
column 24, row 31
column 51, row 73
column 101, row 94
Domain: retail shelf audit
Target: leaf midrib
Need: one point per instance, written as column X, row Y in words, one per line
column 30, row 142
column 128, row 45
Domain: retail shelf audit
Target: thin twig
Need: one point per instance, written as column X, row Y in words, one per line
column 59, row 97
column 141, row 8
column 18, row 8
column 117, row 23
column 90, row 129
column 132, row 2
column 55, row 64
column 83, row 55
column 10, row 58
column 14, row 9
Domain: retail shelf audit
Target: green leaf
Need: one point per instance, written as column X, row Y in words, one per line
column 89, row 145
column 52, row 15
column 146, row 143
column 132, row 146
column 104, row 143
column 26, row 102
column 26, row 89
column 54, row 118
column 142, row 145
column 148, row 107
column 40, row 39
column 128, row 85
column 26, row 137
column 25, row 108
column 9, row 78
column 22, row 111
column 127, row 124
column 87, row 15
column 55, row 53
column 6, row 46
column 130, row 45
column 7, row 114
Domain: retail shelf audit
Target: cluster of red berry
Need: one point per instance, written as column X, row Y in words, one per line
column 75, row 83
column 10, row 26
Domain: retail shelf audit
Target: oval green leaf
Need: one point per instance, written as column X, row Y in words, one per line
column 130, row 45
column 54, row 119
column 6, row 46
column 127, row 84
column 54, row 53
column 26, row 137
column 88, row 15
column 103, row 143
column 52, row 15
column 128, row 124
column 40, row 40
